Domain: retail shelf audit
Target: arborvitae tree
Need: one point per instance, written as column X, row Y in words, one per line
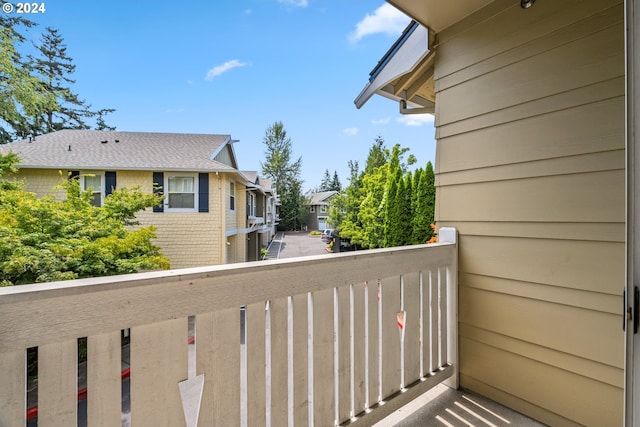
column 392, row 209
column 285, row 174
column 431, row 193
column 407, row 210
column 415, row 203
column 424, row 202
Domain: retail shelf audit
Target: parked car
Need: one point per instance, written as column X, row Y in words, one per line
column 327, row 234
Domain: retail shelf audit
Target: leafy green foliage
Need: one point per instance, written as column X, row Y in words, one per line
column 385, row 205
column 44, row 239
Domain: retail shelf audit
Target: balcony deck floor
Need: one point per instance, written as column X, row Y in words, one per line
column 445, row 407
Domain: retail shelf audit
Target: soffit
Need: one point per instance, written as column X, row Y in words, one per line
column 438, row 14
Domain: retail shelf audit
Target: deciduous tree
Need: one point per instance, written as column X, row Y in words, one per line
column 285, row 173
column 45, row 239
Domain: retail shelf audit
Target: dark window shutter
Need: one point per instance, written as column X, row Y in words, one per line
column 158, row 182
column 109, row 182
column 203, row 192
column 74, row 175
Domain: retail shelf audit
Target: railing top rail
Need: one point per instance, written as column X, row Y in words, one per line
column 49, row 312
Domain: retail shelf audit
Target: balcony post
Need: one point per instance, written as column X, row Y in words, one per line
column 450, row 235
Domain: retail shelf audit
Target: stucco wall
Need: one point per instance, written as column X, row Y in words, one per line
column 530, row 169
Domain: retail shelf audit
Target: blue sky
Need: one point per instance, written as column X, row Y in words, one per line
column 236, row 67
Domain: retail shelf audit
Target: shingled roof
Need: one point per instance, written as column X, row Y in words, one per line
column 113, row 150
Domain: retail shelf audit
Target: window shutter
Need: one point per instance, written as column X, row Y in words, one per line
column 203, row 192
column 109, row 183
column 158, row 182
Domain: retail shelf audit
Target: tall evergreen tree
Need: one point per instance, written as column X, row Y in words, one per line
column 424, row 203
column 392, row 208
column 325, row 184
column 54, row 67
column 285, row 174
column 407, row 210
column 21, row 93
column 336, row 185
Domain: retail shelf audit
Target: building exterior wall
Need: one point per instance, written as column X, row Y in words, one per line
column 530, row 169
column 188, row 239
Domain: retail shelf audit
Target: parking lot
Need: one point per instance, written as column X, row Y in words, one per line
column 295, row 244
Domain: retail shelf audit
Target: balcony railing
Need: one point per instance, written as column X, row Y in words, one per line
column 337, row 339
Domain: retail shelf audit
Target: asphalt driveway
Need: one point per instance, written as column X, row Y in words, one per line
column 295, row 244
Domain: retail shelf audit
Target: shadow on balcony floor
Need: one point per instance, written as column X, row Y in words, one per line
column 446, row 407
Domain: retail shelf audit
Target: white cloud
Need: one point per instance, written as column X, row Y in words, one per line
column 383, row 121
column 295, row 3
column 174, row 110
column 350, row 131
column 385, row 19
column 416, row 119
column 221, row 69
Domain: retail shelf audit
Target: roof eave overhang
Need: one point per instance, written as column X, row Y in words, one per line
column 438, row 14
column 402, row 59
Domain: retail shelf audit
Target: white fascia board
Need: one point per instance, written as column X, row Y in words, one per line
column 403, row 61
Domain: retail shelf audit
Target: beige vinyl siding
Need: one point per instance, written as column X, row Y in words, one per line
column 530, row 169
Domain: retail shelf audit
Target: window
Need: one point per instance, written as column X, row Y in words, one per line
column 323, row 208
column 313, row 209
column 251, row 205
column 93, row 183
column 232, row 196
column 181, row 191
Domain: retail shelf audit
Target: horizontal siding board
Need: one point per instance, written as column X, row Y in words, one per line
column 548, row 27
column 587, row 231
column 571, row 395
column 541, row 135
column 592, row 197
column 585, row 163
column 579, row 298
column 569, row 362
column 591, row 266
column 542, row 75
column 580, row 98
column 559, row 327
